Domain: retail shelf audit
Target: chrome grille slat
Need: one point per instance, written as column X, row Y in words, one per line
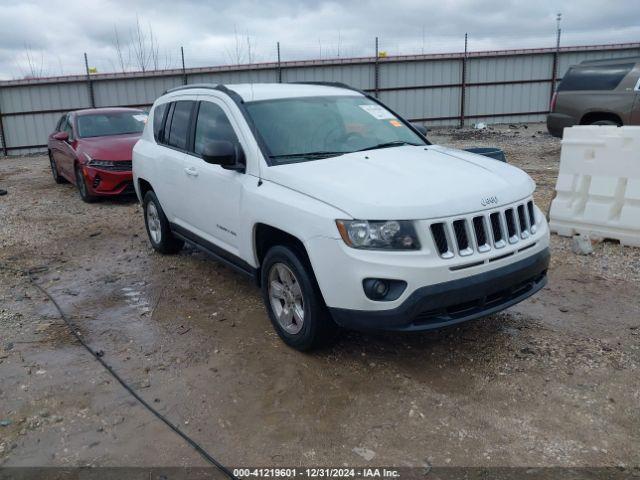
column 532, row 216
column 523, row 226
column 494, row 229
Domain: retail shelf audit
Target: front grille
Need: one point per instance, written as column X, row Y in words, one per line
column 118, row 166
column 481, row 233
column 122, row 166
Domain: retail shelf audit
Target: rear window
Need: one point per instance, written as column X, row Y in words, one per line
column 605, row 77
column 111, row 123
column 158, row 118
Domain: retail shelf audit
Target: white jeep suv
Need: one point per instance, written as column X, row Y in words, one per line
column 340, row 210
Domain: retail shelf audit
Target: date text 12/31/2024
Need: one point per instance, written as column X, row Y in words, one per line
column 316, row 473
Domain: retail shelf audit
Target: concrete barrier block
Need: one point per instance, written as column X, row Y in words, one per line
column 598, row 186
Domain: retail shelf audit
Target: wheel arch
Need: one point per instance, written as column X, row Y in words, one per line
column 595, row 116
column 144, row 186
column 266, row 236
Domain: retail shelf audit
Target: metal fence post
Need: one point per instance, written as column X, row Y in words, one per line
column 3, row 139
column 376, row 71
column 556, row 56
column 92, row 99
column 463, row 85
column 279, row 72
column 184, row 70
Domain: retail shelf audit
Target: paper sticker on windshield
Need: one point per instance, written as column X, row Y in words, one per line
column 376, row 111
column 141, row 118
column 395, row 123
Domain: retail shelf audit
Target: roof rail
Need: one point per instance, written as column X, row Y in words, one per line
column 332, row 84
column 211, row 86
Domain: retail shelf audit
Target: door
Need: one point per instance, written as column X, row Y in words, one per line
column 66, row 153
column 169, row 168
column 212, row 194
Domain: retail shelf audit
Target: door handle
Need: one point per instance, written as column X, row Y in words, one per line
column 191, row 171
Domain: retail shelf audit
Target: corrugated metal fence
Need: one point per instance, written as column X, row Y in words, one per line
column 438, row 89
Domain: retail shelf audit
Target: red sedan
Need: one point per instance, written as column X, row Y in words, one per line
column 92, row 149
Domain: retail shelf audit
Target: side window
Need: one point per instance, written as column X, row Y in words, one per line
column 61, row 123
column 212, row 125
column 66, row 127
column 158, row 118
column 164, row 134
column 180, row 124
column 605, row 77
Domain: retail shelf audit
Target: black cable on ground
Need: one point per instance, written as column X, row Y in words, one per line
column 98, row 356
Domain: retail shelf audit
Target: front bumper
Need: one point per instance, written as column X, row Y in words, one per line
column 107, row 183
column 456, row 301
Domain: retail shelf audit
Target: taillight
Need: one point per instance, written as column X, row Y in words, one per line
column 554, row 98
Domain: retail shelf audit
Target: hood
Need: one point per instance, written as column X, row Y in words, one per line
column 112, row 147
column 406, row 183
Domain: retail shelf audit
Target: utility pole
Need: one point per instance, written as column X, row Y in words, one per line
column 184, row 70
column 279, row 64
column 376, row 71
column 556, row 57
column 464, row 81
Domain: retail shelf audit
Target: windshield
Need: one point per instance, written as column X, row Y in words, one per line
column 300, row 129
column 116, row 123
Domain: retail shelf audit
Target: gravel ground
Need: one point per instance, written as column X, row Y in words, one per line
column 552, row 381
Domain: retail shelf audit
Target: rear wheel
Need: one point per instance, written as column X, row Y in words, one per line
column 294, row 304
column 605, row 122
column 54, row 170
column 157, row 225
column 81, row 183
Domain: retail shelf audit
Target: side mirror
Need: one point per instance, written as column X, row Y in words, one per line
column 226, row 154
column 62, row 136
column 420, row 128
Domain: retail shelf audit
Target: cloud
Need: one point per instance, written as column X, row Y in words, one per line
column 57, row 32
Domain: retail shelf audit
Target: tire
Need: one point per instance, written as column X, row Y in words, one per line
column 59, row 179
column 296, row 308
column 81, row 184
column 605, row 122
column 157, row 225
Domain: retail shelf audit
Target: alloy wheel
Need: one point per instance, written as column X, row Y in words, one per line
column 153, row 223
column 285, row 296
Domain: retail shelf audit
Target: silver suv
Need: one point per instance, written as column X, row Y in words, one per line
column 597, row 92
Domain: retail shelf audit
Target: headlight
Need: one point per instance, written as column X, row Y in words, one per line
column 379, row 235
column 92, row 162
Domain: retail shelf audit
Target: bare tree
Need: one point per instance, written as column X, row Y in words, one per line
column 154, row 49
column 119, row 54
column 34, row 68
column 243, row 51
column 140, row 47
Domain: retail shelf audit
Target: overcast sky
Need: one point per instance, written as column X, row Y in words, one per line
column 48, row 37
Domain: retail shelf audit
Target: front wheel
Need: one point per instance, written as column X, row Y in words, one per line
column 294, row 304
column 158, row 228
column 81, row 183
column 54, row 170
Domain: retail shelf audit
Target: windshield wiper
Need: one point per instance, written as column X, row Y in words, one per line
column 312, row 155
column 395, row 143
